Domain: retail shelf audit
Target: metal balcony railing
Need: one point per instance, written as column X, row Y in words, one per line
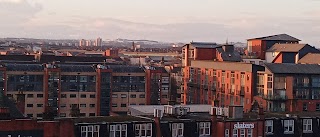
column 275, row 97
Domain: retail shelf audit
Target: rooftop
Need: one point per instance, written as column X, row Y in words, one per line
column 24, row 67
column 204, row 45
column 288, row 68
column 110, row 119
column 76, row 68
column 126, row 69
column 310, row 58
column 286, row 47
column 278, row 37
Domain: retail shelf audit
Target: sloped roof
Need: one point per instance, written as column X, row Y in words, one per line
column 278, row 37
column 204, row 45
column 286, row 47
column 126, row 69
column 5, row 102
column 24, row 67
column 230, row 56
column 290, row 68
column 76, row 68
column 310, row 58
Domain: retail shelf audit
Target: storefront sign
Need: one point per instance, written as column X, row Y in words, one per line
column 242, row 125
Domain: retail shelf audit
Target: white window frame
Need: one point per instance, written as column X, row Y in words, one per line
column 91, row 129
column 204, row 128
column 269, row 123
column 177, row 129
column 120, row 128
column 141, row 130
column 249, row 134
column 226, row 133
column 242, row 132
column 288, row 123
column 235, row 133
column 307, row 125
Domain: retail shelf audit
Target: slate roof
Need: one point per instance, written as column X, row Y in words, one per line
column 24, row 67
column 126, row 69
column 76, row 68
column 278, row 37
column 290, row 68
column 204, row 45
column 5, row 102
column 286, row 47
column 229, row 56
column 310, row 58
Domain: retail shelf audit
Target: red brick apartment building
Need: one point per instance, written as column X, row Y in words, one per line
column 227, row 83
column 289, row 87
column 257, row 46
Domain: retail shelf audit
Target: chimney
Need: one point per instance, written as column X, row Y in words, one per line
column 214, row 123
column 21, row 101
column 261, row 113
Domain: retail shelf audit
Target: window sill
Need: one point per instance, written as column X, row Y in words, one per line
column 291, row 132
column 307, row 132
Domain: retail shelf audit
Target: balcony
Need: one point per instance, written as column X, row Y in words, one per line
column 275, row 97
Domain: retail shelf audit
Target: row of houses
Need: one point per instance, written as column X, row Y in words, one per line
column 173, row 121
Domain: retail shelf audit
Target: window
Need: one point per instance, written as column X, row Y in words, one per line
column 123, row 105
column 164, row 96
column 29, row 105
column 204, row 128
column 133, row 96
column 318, row 107
column 92, row 105
column 114, row 105
column 63, row 96
column 249, row 132
column 307, row 125
column 30, row 115
column 90, row 131
column 123, row 95
column 114, row 96
column 177, row 129
column 269, row 126
column 142, row 96
column 73, row 95
column 143, row 130
column 39, row 105
column 30, row 96
column 288, row 126
column 235, row 133
column 63, row 114
column 83, row 96
column 226, row 133
column 305, row 107
column 83, row 105
column 242, row 133
column 92, row 96
column 63, row 105
column 39, row 95
column 39, row 115
column 118, row 130
column 92, row 114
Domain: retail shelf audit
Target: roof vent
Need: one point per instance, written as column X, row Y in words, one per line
column 229, row 55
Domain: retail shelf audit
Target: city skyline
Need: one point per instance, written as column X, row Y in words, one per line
column 170, row 21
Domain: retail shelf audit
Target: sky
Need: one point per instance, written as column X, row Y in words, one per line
column 162, row 20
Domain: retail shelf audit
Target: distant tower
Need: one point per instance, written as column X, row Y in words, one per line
column 82, row 42
column 99, row 42
column 88, row 43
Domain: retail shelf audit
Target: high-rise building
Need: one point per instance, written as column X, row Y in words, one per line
column 98, row 42
column 82, row 42
column 89, row 43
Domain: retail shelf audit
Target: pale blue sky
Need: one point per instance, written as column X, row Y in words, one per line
column 164, row 20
